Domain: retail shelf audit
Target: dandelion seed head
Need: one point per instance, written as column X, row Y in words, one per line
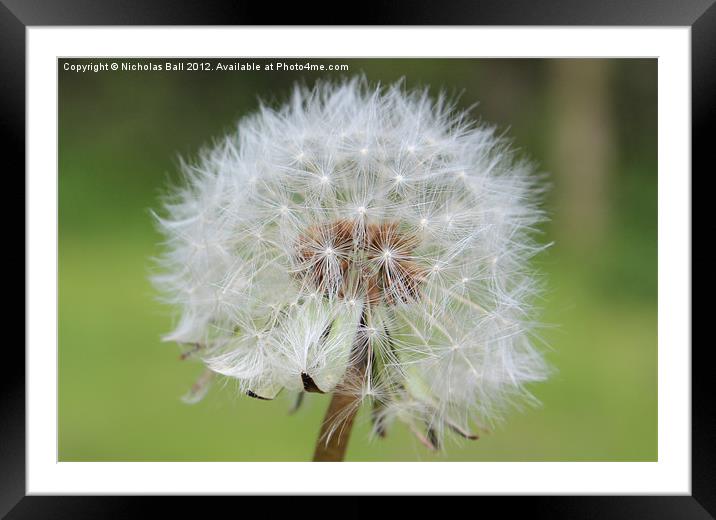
column 358, row 224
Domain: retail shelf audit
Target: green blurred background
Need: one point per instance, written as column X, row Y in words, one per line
column 591, row 124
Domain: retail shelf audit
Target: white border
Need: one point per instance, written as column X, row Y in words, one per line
column 670, row 475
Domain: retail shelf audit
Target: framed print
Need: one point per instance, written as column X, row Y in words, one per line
column 454, row 258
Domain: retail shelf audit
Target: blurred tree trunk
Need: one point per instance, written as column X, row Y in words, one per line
column 583, row 150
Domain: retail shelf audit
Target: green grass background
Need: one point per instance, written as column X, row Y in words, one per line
column 120, row 386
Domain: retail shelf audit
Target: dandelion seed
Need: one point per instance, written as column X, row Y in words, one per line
column 287, row 281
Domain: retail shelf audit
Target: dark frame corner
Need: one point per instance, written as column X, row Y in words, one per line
column 700, row 15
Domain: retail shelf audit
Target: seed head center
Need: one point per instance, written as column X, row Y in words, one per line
column 358, row 261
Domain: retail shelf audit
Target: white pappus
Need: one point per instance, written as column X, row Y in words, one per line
column 363, row 240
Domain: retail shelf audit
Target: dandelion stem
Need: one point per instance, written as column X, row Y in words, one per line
column 339, row 418
column 338, row 422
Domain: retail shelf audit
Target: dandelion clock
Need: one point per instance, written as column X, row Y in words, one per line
column 368, row 242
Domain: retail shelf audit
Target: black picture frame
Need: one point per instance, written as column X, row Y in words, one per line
column 700, row 15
